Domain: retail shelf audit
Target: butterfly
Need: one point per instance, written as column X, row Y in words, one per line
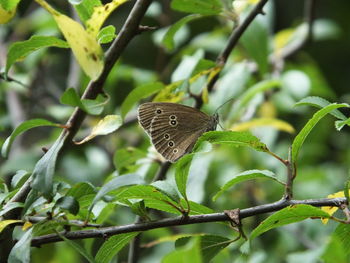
column 174, row 128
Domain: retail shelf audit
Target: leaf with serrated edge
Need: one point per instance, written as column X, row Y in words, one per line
column 112, row 246
column 320, row 103
column 247, row 175
column 288, row 215
column 115, row 183
column 233, row 139
column 300, row 138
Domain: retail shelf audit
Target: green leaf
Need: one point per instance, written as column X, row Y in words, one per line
column 21, row 250
column 82, row 251
column 86, row 8
column 68, row 203
column 338, row 248
column 258, row 88
column 45, row 168
column 107, row 125
column 168, row 39
column 161, row 205
column 71, row 98
column 247, row 175
column 190, row 251
column 167, row 189
column 94, row 107
column 19, row 50
column 115, row 183
column 148, row 193
column 182, row 168
column 288, row 215
column 106, row 34
column 10, row 206
column 340, row 124
column 24, row 126
column 233, row 139
column 112, row 246
column 255, row 40
column 80, row 190
column 8, row 5
column 320, row 103
column 5, row 223
column 139, row 93
column 211, row 245
column 19, row 178
column 203, row 7
column 300, row 138
column 126, row 157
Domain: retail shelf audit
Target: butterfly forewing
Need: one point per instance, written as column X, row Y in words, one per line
column 174, row 128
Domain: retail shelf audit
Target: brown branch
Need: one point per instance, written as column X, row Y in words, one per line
column 231, row 44
column 180, row 220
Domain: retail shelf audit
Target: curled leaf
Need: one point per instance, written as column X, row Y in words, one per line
column 107, row 125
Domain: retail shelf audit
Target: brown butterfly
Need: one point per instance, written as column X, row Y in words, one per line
column 174, row 128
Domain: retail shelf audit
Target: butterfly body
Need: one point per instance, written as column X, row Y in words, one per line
column 174, row 128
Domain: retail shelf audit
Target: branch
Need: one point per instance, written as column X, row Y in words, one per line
column 231, row 44
column 238, row 32
column 180, row 220
column 78, row 223
column 291, row 174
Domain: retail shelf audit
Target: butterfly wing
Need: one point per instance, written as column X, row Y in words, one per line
column 147, row 111
column 172, row 137
column 174, row 128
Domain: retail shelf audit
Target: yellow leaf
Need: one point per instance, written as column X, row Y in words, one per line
column 6, row 16
column 267, row 110
column 5, row 223
column 85, row 47
column 26, row 225
column 100, row 14
column 107, row 125
column 282, row 38
column 331, row 209
column 278, row 124
column 205, row 95
column 170, row 93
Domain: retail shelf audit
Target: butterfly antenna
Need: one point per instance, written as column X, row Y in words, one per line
column 223, row 105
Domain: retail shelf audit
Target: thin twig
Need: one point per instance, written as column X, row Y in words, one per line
column 78, row 223
column 180, row 220
column 232, row 42
column 291, row 174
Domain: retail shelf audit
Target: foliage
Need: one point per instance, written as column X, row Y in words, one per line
column 86, row 192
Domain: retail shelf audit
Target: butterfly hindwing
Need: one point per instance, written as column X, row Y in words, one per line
column 174, row 128
column 173, row 135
